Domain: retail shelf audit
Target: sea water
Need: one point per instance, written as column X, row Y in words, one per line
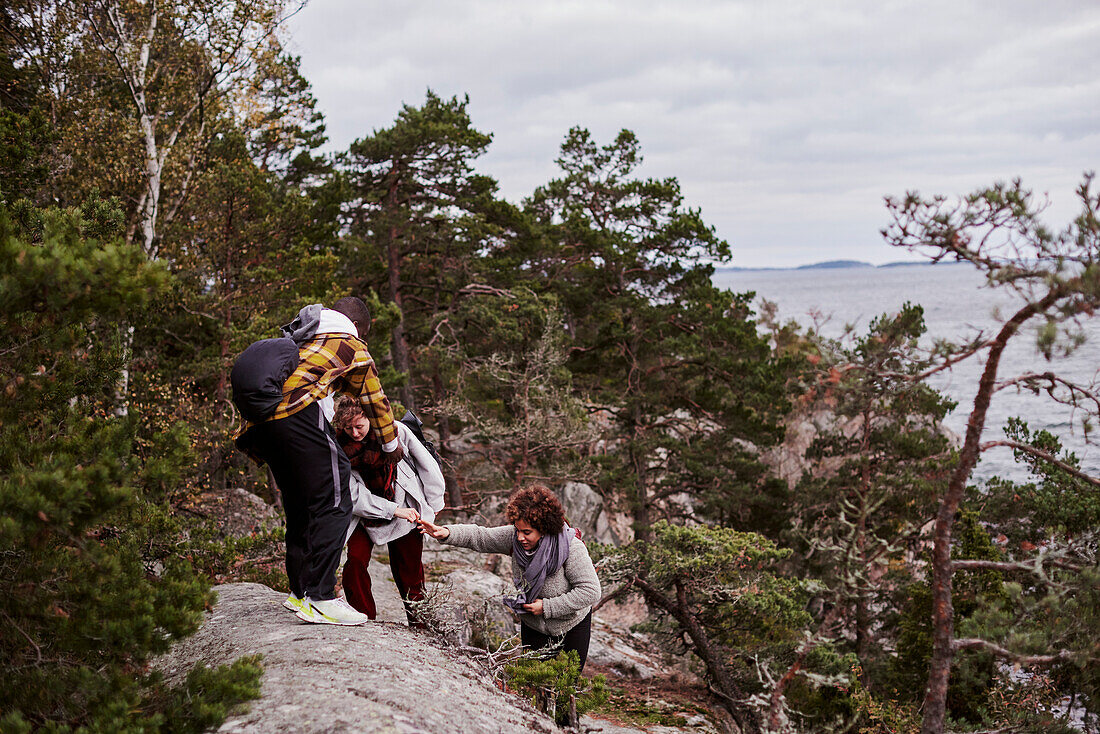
column 957, row 304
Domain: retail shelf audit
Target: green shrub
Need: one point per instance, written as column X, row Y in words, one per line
column 555, row 684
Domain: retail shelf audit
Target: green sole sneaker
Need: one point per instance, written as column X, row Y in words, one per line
column 332, row 611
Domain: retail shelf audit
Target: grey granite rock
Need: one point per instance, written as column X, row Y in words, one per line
column 378, row 677
column 582, row 506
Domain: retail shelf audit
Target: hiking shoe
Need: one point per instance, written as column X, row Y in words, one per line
column 293, row 603
column 307, row 613
column 331, row 611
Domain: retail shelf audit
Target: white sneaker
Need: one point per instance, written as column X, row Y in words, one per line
column 307, row 613
column 331, row 611
column 293, row 603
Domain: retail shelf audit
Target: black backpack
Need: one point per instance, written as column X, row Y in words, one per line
column 258, row 376
column 416, row 426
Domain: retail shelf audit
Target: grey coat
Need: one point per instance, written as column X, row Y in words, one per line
column 418, row 484
column 567, row 595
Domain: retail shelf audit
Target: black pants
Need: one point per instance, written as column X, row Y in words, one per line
column 313, row 475
column 576, row 638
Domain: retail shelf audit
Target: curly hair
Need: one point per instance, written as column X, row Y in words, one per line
column 538, row 507
column 347, row 410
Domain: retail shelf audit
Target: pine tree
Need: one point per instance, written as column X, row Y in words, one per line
column 676, row 362
column 726, row 599
column 92, row 588
column 417, row 215
column 244, row 260
column 504, row 353
column 1056, row 279
column 858, row 517
column 1044, row 534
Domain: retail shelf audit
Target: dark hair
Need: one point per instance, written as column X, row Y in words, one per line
column 356, row 310
column 347, row 410
column 538, row 507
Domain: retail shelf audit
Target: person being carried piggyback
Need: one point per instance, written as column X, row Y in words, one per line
column 299, row 445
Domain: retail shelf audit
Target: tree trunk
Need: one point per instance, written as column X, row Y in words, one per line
column 393, row 258
column 643, row 519
column 943, row 612
column 775, row 706
column 453, row 490
column 221, row 390
column 643, row 522
column 863, row 615
column 151, row 196
column 122, row 386
column 705, row 649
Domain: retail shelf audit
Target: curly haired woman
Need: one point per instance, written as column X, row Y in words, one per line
column 550, row 565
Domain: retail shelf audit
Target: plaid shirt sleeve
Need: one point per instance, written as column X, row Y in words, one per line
column 334, row 362
column 363, row 383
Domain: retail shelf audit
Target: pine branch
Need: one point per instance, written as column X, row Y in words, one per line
column 615, row 594
column 37, row 649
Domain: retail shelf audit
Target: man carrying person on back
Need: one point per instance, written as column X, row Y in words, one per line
column 299, row 445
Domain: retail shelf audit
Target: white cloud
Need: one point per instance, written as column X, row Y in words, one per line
column 786, row 122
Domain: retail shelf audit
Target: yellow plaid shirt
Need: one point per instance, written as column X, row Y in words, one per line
column 335, row 363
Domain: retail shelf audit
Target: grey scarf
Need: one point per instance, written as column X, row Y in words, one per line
column 534, row 566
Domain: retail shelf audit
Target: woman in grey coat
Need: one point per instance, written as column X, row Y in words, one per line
column 553, row 572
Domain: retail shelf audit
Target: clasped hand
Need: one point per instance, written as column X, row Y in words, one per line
column 394, row 456
column 407, row 513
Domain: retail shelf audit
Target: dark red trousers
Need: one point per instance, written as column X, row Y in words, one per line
column 406, row 554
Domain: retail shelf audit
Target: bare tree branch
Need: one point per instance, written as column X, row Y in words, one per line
column 1034, row 566
column 1044, row 455
column 975, row 643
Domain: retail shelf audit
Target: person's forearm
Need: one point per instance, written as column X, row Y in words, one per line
column 483, row 540
column 577, row 598
column 373, row 507
column 375, row 405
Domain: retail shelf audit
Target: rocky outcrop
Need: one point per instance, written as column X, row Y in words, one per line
column 379, row 677
column 234, row 512
column 586, row 510
column 788, row 460
column 385, row 677
column 469, row 599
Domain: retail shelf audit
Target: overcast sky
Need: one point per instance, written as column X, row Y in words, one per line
column 785, row 122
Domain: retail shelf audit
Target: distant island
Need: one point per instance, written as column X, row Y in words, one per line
column 831, row 264
column 838, row 265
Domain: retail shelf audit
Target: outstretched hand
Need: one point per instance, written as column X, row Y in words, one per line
column 436, row 531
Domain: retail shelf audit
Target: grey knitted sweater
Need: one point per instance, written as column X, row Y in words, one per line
column 567, row 595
